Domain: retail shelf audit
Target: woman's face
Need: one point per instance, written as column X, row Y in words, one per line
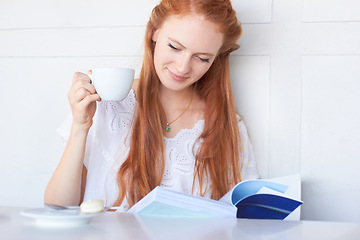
column 185, row 49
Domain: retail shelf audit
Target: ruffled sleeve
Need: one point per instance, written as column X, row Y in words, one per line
column 249, row 168
column 64, row 129
column 108, row 136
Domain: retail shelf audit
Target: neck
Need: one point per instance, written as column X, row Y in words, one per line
column 175, row 100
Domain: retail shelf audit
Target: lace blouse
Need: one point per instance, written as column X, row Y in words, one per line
column 108, row 145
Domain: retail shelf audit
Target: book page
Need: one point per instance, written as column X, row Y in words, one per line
column 294, row 185
column 165, row 202
column 267, row 190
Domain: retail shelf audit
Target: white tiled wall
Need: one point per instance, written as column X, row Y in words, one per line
column 331, row 10
column 330, row 135
column 255, row 11
column 105, row 41
column 252, row 73
column 296, row 82
column 68, row 13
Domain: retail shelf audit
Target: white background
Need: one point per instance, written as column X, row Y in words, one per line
column 296, row 82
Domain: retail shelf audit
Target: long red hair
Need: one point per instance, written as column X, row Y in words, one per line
column 218, row 161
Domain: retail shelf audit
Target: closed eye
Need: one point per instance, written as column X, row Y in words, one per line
column 172, row 46
column 204, row 59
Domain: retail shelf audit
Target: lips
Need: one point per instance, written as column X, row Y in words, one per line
column 176, row 77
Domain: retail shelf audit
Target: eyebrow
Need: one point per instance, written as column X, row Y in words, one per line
column 177, row 42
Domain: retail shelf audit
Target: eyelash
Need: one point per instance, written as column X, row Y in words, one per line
column 176, row 49
column 204, row 59
column 172, row 47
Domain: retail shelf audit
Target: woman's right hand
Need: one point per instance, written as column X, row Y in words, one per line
column 82, row 98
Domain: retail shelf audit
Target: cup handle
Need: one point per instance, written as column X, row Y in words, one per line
column 91, row 78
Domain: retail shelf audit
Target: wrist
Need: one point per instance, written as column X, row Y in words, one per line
column 80, row 129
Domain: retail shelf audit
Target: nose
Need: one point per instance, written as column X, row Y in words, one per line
column 183, row 65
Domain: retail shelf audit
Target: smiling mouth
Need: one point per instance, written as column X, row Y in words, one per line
column 177, row 77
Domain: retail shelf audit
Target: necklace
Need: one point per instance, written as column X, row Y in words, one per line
column 168, row 128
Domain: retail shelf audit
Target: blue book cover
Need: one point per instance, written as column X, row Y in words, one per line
column 261, row 199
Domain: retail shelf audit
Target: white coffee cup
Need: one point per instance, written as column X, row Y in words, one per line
column 112, row 84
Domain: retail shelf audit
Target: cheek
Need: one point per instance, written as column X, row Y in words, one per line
column 158, row 58
column 157, row 63
column 160, row 55
column 156, row 54
column 202, row 69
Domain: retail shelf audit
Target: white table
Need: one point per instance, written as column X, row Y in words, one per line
column 124, row 226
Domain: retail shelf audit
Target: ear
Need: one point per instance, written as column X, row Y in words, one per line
column 155, row 34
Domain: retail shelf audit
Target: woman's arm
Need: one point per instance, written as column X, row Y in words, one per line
column 64, row 187
column 68, row 181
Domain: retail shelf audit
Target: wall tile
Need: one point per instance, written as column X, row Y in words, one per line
column 331, row 10
column 330, row 136
column 250, row 81
column 125, row 41
column 256, row 39
column 81, row 13
column 331, row 38
column 255, row 11
column 69, row 13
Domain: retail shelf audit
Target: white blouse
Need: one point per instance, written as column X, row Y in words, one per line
column 108, row 145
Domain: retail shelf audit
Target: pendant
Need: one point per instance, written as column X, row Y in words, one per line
column 168, row 128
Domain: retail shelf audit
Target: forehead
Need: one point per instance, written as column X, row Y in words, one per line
column 193, row 32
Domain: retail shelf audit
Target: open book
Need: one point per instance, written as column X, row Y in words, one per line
column 257, row 199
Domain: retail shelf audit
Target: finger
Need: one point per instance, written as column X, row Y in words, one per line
column 90, row 72
column 77, row 80
column 80, row 94
column 89, row 99
column 81, row 83
column 91, row 88
column 87, row 85
column 81, row 76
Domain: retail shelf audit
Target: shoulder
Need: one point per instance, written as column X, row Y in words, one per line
column 115, row 116
column 113, row 107
column 241, row 125
column 244, row 134
column 135, row 84
column 249, row 166
column 112, row 123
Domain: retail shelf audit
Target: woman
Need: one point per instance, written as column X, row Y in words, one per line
column 177, row 128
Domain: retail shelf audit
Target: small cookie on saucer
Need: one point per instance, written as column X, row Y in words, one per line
column 92, row 206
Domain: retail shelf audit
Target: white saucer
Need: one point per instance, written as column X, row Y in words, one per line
column 51, row 217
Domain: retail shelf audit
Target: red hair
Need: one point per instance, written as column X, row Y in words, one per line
column 218, row 162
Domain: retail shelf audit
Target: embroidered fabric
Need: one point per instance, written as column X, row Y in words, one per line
column 108, row 145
